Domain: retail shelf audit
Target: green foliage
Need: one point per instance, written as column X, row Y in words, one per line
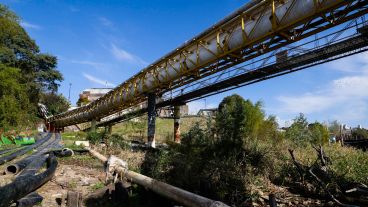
column 348, row 164
column 334, row 128
column 116, row 140
column 219, row 165
column 238, row 119
column 55, row 103
column 18, row 50
column 269, row 130
column 196, row 136
column 227, row 165
column 95, row 137
column 360, row 133
column 298, row 131
column 302, row 133
column 14, row 102
column 97, row 186
column 82, row 101
column 36, row 72
column 319, row 134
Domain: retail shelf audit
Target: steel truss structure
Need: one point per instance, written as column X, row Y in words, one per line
column 333, row 49
column 261, row 27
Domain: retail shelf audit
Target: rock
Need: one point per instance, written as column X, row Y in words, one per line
column 85, row 182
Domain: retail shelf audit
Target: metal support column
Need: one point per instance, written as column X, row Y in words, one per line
column 177, row 124
column 151, row 120
column 93, row 125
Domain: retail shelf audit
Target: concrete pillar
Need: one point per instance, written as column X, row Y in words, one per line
column 151, row 120
column 177, row 124
column 93, row 125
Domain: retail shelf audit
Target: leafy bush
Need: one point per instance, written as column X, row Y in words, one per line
column 302, row 133
column 360, row 134
column 116, row 140
column 222, row 160
column 95, row 137
column 243, row 150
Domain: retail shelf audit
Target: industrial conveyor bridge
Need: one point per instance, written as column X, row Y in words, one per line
column 261, row 40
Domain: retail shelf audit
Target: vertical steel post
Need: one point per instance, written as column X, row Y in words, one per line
column 151, row 120
column 177, row 124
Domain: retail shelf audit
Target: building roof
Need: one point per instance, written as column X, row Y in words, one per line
column 97, row 90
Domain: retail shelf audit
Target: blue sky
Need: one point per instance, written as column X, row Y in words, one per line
column 101, row 43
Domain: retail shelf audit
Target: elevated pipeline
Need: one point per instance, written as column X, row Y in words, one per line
column 171, row 192
column 255, row 23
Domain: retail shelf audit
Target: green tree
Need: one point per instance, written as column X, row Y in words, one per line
column 25, row 72
column 18, row 50
column 269, row 131
column 238, row 119
column 55, row 103
column 298, row 131
column 15, row 109
column 82, row 101
column 360, row 134
column 334, row 127
column 319, row 133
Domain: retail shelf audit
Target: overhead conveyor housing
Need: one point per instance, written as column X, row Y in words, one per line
column 258, row 27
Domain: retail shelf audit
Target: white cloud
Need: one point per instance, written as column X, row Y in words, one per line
column 98, row 81
column 346, row 96
column 28, row 25
column 106, row 22
column 96, row 65
column 195, row 106
column 123, row 55
column 357, row 63
column 283, row 122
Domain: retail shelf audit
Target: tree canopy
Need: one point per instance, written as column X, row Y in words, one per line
column 26, row 73
column 301, row 132
column 15, row 109
column 55, row 103
column 239, row 120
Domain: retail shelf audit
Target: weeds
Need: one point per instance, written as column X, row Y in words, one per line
column 97, row 186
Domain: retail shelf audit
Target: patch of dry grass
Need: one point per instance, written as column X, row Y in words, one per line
column 137, row 129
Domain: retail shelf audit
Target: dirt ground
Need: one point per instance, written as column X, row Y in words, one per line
column 85, row 175
column 81, row 174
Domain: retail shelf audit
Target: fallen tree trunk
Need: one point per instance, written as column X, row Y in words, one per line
column 171, row 192
column 23, row 185
column 319, row 175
